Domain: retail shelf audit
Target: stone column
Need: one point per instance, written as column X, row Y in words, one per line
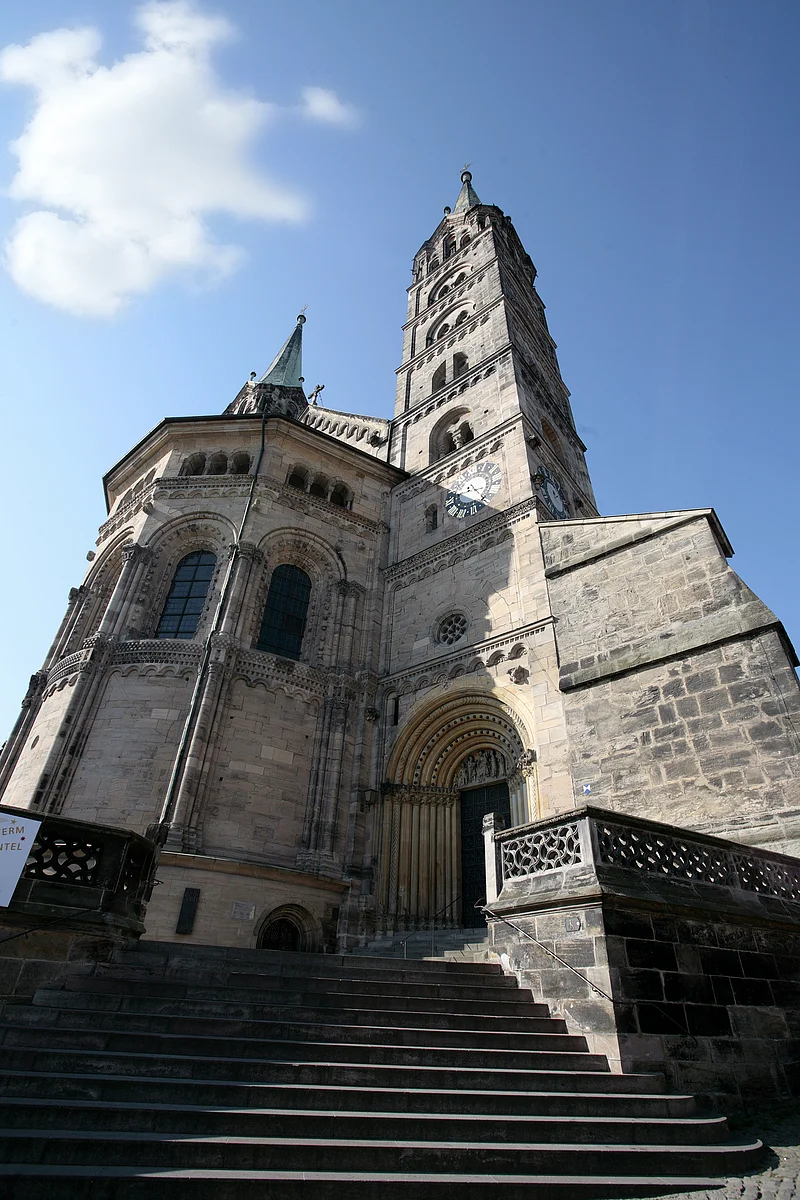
column 181, row 835
column 132, row 559
column 75, row 603
column 246, row 556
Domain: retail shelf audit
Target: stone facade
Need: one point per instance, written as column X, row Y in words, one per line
column 471, row 620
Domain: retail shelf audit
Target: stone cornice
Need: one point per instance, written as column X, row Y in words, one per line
column 430, row 668
column 439, row 556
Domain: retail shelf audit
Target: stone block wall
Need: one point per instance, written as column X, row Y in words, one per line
column 670, row 951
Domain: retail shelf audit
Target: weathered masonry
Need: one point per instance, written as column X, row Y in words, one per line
column 314, row 648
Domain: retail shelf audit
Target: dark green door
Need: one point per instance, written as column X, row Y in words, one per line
column 475, row 803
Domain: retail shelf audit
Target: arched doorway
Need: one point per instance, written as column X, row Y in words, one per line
column 287, row 928
column 454, row 761
column 281, row 934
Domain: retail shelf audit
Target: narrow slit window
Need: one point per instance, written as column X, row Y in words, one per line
column 286, row 612
column 187, row 596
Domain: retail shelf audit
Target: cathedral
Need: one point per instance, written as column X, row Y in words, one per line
column 313, row 649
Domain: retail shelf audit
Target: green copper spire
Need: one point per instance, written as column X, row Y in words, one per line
column 467, row 197
column 286, row 369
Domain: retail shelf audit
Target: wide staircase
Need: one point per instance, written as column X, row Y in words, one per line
column 189, row 1071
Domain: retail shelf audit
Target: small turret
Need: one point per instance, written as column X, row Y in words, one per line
column 279, row 391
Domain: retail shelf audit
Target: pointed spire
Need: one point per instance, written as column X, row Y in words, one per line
column 279, row 391
column 286, row 368
column 467, row 197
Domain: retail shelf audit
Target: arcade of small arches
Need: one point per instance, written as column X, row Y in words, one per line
column 318, row 485
column 217, row 463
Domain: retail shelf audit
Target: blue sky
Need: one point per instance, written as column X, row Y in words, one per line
column 647, row 153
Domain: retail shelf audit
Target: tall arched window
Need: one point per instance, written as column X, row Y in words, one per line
column 439, row 377
column 286, row 612
column 187, row 596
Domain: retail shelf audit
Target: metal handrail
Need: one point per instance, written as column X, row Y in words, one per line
column 598, row 991
column 497, row 917
column 405, row 940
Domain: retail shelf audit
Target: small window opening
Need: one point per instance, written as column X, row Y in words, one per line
column 449, row 247
column 217, row 464
column 396, row 711
column 439, row 377
column 463, row 435
column 240, row 464
column 297, row 479
column 195, row 464
column 318, row 489
column 443, row 331
column 431, row 518
column 461, row 318
column 460, row 365
column 465, row 241
column 339, row 497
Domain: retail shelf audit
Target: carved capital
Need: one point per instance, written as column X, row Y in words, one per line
column 133, row 552
column 492, row 820
column 250, row 552
column 525, row 765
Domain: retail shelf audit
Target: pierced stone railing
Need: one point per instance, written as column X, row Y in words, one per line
column 81, row 866
column 600, row 844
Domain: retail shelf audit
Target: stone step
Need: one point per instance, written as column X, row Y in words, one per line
column 391, row 1001
column 292, row 1075
column 148, row 1090
column 445, row 989
column 35, row 1182
column 324, row 1073
column 248, row 1008
column 39, row 1146
column 319, row 1123
column 551, row 1035
column 163, row 954
column 572, row 1057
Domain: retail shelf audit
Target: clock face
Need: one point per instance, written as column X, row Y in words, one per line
column 473, row 489
column 553, row 496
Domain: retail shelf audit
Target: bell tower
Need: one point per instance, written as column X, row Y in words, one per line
column 478, row 358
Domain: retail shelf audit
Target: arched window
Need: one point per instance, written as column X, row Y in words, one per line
column 460, row 279
column 319, row 488
column 195, row 464
column 462, row 316
column 286, row 612
column 431, row 518
column 460, row 364
column 551, row 437
column 433, row 265
column 240, row 463
column 187, row 596
column 340, row 496
column 217, row 464
column 465, row 241
column 462, row 435
column 443, row 331
column 439, row 377
column 297, row 479
column 481, row 221
column 449, row 247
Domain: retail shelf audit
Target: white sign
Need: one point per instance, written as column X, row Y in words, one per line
column 241, row 911
column 17, row 835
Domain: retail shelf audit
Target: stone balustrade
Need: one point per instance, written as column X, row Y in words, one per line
column 670, row 949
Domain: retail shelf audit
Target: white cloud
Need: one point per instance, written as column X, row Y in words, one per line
column 320, row 104
column 125, row 163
